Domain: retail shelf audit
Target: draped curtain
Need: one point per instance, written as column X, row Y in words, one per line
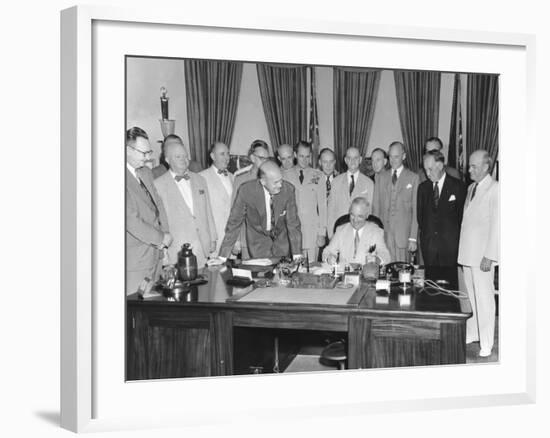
column 482, row 114
column 213, row 89
column 283, row 90
column 418, row 106
column 355, row 93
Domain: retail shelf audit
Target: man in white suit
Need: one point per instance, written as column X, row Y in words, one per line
column 395, row 204
column 353, row 240
column 187, row 202
column 220, row 188
column 346, row 187
column 479, row 249
column 310, row 199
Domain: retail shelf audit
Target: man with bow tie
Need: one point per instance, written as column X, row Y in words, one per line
column 479, row 250
column 146, row 222
column 267, row 209
column 187, row 201
column 220, row 187
column 395, row 204
column 310, row 198
column 440, row 202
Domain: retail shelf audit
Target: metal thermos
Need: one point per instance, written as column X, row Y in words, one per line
column 187, row 263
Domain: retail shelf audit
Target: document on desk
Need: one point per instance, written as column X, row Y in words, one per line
column 281, row 295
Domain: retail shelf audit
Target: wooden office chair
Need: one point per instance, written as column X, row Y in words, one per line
column 336, row 352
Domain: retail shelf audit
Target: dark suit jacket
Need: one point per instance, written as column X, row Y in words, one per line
column 249, row 208
column 440, row 227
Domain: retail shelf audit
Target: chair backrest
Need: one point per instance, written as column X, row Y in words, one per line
column 345, row 219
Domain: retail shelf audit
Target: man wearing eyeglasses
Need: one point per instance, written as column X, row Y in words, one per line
column 146, row 222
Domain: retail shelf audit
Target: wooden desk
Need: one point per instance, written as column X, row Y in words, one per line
column 196, row 336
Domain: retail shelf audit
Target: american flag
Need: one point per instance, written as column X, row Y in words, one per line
column 313, row 119
column 456, row 150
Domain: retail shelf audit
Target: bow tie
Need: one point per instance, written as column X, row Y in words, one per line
column 223, row 172
column 178, row 178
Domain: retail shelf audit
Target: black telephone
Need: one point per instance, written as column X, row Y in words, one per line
column 392, row 269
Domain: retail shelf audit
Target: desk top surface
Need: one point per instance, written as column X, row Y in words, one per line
column 365, row 298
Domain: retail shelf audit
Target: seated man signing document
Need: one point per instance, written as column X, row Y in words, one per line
column 354, row 240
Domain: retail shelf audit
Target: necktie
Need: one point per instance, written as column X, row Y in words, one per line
column 272, row 231
column 474, row 191
column 328, row 186
column 355, row 243
column 178, row 178
column 222, row 172
column 301, row 176
column 394, row 177
column 352, row 185
column 144, row 187
column 436, row 194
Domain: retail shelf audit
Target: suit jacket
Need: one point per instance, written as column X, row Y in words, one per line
column 439, row 228
column 396, row 206
column 249, row 208
column 448, row 170
column 220, row 200
column 343, row 239
column 339, row 200
column 144, row 230
column 311, row 199
column 479, row 234
column 198, row 228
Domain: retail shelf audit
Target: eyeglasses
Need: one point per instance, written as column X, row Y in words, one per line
column 145, row 154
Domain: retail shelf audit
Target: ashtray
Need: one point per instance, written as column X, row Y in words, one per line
column 343, row 285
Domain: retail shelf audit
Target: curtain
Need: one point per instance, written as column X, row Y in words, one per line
column 212, row 97
column 418, row 106
column 283, row 90
column 482, row 114
column 355, row 93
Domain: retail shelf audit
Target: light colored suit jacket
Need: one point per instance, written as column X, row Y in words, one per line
column 339, row 200
column 343, row 239
column 479, row 234
column 144, row 230
column 198, row 229
column 220, row 200
column 311, row 200
column 397, row 211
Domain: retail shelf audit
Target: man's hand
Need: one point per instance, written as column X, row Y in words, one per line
column 331, row 259
column 485, row 264
column 320, row 241
column 212, row 246
column 166, row 240
column 236, row 248
column 412, row 246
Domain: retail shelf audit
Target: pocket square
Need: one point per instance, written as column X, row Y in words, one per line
column 364, row 191
column 409, row 186
column 283, row 213
column 452, row 198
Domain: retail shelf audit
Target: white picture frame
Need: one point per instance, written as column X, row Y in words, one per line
column 83, row 366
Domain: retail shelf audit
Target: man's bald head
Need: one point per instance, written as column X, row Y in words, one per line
column 270, row 177
column 396, row 152
column 219, row 153
column 285, row 154
column 353, row 159
column 176, row 157
column 479, row 165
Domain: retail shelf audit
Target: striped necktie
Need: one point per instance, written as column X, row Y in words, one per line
column 355, row 243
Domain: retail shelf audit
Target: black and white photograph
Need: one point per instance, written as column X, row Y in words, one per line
column 285, row 218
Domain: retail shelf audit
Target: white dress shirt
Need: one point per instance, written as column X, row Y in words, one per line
column 267, row 209
column 399, row 170
column 184, row 186
column 226, row 181
column 439, row 183
column 132, row 171
column 355, row 176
